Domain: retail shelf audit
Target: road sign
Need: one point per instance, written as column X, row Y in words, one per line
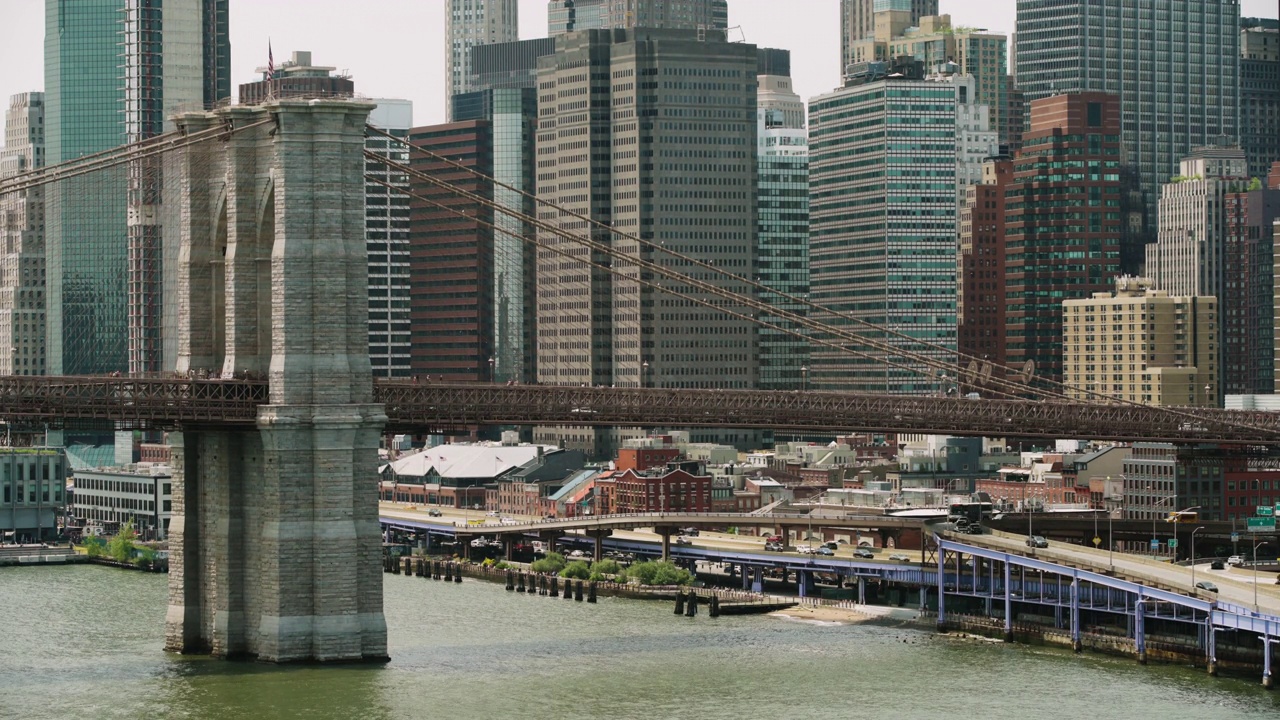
column 1235, row 537
column 1173, row 543
column 1266, row 511
column 1262, row 524
column 1097, row 541
column 1155, row 544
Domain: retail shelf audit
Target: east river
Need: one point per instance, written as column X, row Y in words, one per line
column 85, row 642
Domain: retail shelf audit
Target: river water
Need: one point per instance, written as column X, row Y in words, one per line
column 85, row 642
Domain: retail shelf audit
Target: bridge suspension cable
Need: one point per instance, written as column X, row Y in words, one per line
column 1015, row 389
column 120, row 155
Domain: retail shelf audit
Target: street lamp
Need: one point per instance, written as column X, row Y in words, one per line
column 1193, row 556
column 1154, row 543
column 1177, row 518
column 1255, row 574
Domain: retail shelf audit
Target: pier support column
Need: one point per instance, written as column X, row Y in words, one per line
column 597, row 537
column 942, row 577
column 1267, row 681
column 862, row 591
column 1075, row 614
column 509, row 548
column 1210, row 646
column 804, row 583
column 757, row 579
column 746, row 581
column 1008, row 603
column 1139, row 630
column 665, row 532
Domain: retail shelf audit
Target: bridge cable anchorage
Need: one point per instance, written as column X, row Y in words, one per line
column 1200, row 417
column 1018, row 389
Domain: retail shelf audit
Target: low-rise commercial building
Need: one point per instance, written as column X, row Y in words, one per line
column 107, row 498
column 33, row 484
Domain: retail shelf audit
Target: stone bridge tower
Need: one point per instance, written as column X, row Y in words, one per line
column 274, row 537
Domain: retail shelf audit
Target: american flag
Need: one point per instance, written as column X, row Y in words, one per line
column 271, row 62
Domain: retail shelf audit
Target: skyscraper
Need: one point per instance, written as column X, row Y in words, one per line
column 86, row 239
column 981, row 303
column 858, row 20
column 176, row 57
column 663, row 148
column 782, row 237
column 22, row 277
column 882, row 170
column 571, row 15
column 1174, row 65
column 1064, row 221
column 469, row 23
column 935, row 41
column 387, row 241
column 512, row 115
column 1215, row 223
column 1260, row 93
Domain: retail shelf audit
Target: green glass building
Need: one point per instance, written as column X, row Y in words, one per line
column 882, row 241
column 86, row 236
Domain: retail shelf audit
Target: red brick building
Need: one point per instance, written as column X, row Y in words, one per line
column 1244, row 489
column 980, row 291
column 676, row 491
column 641, row 459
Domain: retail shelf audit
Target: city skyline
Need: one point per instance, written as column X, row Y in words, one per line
column 358, row 44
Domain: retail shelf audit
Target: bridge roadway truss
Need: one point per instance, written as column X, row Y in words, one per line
column 989, row 575
column 168, row 403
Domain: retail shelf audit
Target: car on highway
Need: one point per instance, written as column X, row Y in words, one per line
column 1206, row 586
column 1216, row 565
column 434, row 512
column 863, row 553
column 833, row 545
column 493, row 513
column 899, row 557
column 1235, row 560
column 773, row 547
column 1037, row 541
column 690, row 531
column 974, row 529
column 824, row 550
column 682, row 540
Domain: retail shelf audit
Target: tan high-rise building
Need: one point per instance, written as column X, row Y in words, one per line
column 858, row 19
column 22, row 279
column 468, row 23
column 1142, row 345
column 934, row 41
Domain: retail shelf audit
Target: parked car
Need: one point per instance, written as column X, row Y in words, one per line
column 824, row 550
column 1206, row 586
column 899, row 557
column 1037, row 541
column 1216, row 565
column 1235, row 560
column 863, row 553
column 434, row 512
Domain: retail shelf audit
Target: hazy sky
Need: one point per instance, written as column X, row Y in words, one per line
column 395, row 48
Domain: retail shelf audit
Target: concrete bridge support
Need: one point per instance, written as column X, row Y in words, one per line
column 275, row 542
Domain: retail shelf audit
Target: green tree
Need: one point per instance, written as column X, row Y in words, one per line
column 659, row 573
column 576, row 570
column 122, row 545
column 606, row 567
column 552, row 564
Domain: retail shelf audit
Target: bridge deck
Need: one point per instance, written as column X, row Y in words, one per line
column 172, row 403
